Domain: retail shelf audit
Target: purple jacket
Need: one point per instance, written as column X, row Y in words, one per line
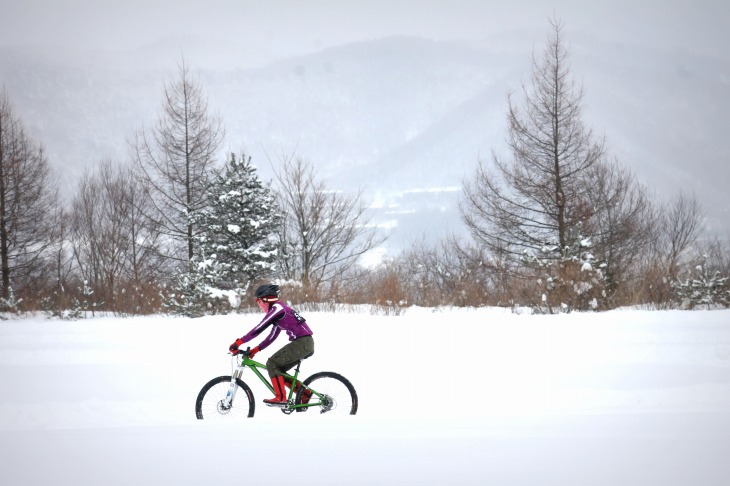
column 280, row 316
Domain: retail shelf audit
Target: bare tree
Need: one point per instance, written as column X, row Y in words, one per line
column 448, row 272
column 621, row 220
column 680, row 224
column 61, row 261
column 28, row 198
column 98, row 234
column 673, row 235
column 324, row 232
column 539, row 195
column 145, row 262
column 176, row 158
column 718, row 253
column 560, row 193
column 114, row 243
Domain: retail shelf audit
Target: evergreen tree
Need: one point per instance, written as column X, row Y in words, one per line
column 235, row 245
column 703, row 287
column 10, row 304
column 189, row 294
column 573, row 280
column 87, row 304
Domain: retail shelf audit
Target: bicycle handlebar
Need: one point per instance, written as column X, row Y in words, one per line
column 245, row 353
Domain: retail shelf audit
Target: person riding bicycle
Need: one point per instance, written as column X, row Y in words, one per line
column 301, row 346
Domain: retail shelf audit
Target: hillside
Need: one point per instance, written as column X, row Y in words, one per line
column 393, row 116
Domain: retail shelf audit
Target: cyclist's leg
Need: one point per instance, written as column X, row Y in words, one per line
column 307, row 349
column 279, row 386
column 285, row 358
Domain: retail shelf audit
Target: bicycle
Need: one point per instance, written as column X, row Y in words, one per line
column 330, row 392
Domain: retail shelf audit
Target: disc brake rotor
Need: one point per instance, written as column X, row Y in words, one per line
column 222, row 409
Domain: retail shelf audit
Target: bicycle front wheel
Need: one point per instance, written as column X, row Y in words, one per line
column 211, row 403
column 333, row 394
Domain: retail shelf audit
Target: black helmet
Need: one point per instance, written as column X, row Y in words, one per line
column 268, row 290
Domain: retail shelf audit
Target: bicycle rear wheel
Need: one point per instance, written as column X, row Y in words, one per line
column 338, row 396
column 210, row 402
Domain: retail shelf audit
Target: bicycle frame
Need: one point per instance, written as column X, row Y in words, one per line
column 241, row 361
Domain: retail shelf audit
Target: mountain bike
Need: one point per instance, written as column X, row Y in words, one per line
column 229, row 397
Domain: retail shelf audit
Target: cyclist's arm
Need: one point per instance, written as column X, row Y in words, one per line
column 275, row 313
column 275, row 330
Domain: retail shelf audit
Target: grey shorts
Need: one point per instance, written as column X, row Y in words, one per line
column 286, row 357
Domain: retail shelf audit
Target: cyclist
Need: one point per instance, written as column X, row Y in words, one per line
column 279, row 316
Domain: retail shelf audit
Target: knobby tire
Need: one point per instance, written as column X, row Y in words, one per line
column 206, row 405
column 336, row 386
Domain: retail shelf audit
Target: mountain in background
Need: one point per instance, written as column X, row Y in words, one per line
column 403, row 119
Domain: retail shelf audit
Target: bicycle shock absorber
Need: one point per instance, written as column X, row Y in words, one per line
column 230, row 395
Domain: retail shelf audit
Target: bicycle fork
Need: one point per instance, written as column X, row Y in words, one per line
column 232, row 389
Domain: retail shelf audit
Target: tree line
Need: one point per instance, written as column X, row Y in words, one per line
column 558, row 224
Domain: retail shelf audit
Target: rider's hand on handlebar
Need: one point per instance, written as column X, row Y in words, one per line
column 253, row 352
column 233, row 348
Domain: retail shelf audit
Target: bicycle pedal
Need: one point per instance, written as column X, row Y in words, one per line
column 279, row 404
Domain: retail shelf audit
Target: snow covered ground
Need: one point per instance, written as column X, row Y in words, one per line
column 446, row 397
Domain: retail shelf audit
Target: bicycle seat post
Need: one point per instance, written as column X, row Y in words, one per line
column 296, row 370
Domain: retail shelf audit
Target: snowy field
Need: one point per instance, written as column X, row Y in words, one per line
column 447, row 397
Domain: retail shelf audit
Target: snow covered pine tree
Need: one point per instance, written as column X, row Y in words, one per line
column 235, row 246
column 703, row 287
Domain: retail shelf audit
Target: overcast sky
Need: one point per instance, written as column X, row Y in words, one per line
column 297, row 26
